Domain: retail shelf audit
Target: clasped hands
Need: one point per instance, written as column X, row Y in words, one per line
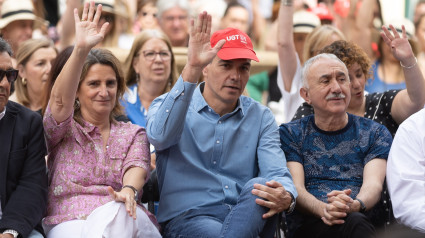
column 339, row 205
column 274, row 196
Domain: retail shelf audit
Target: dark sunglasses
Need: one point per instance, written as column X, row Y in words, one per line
column 11, row 75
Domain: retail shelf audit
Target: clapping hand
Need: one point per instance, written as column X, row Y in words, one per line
column 400, row 46
column 86, row 33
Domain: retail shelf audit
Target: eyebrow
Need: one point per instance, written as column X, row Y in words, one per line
column 338, row 74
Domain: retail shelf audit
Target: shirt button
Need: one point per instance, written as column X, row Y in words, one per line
column 214, row 162
column 182, row 94
column 167, row 110
column 218, row 142
column 123, row 154
column 177, row 91
column 226, row 187
column 219, row 122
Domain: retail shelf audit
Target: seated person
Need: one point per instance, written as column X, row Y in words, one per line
column 23, row 177
column 337, row 159
column 405, row 172
column 220, row 170
column 97, row 165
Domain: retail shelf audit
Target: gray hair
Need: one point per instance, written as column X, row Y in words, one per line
column 5, row 47
column 164, row 5
column 310, row 62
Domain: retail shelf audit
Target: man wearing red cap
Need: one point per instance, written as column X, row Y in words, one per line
column 220, row 168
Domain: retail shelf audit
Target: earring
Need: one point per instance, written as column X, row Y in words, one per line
column 24, row 81
column 137, row 77
column 77, row 104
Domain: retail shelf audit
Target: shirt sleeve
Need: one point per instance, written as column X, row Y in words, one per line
column 381, row 144
column 291, row 99
column 55, row 132
column 138, row 154
column 289, row 144
column 405, row 176
column 272, row 162
column 167, row 115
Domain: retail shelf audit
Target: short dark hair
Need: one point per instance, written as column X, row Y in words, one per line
column 5, row 47
column 231, row 5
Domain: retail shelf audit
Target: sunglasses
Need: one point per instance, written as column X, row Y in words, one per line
column 11, row 75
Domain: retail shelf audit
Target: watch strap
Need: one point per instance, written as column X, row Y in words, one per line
column 292, row 205
column 362, row 205
column 14, row 233
column 132, row 188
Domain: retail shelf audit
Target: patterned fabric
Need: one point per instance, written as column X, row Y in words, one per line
column 378, row 108
column 334, row 160
column 80, row 170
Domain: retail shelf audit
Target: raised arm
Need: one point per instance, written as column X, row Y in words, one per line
column 286, row 46
column 411, row 99
column 167, row 114
column 360, row 26
column 67, row 32
column 86, row 37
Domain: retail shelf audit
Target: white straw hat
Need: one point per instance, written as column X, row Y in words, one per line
column 305, row 22
column 13, row 10
column 107, row 5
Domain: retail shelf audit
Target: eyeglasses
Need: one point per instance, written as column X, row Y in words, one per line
column 150, row 55
column 11, row 75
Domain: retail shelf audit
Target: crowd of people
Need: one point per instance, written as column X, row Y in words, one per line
column 326, row 143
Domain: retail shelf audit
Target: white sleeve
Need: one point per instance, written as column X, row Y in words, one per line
column 406, row 172
column 292, row 99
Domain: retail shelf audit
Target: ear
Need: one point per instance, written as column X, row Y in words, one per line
column 134, row 64
column 21, row 72
column 205, row 71
column 305, row 94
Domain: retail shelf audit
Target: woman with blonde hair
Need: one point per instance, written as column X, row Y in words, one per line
column 34, row 59
column 150, row 71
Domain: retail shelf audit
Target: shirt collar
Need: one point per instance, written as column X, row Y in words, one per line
column 3, row 113
column 199, row 102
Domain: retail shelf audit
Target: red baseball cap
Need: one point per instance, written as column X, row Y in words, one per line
column 238, row 45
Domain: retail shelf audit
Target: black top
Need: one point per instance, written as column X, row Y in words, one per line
column 378, row 108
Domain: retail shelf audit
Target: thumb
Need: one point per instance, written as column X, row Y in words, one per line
column 111, row 192
column 219, row 44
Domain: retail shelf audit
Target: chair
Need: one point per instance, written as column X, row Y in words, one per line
column 151, row 192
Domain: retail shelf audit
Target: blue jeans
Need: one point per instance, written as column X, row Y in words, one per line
column 241, row 220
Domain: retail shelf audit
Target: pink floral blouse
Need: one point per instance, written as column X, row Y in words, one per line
column 80, row 171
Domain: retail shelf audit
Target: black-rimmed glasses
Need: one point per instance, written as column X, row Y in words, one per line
column 150, row 55
column 11, row 75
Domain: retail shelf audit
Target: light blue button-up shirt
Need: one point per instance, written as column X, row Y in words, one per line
column 204, row 159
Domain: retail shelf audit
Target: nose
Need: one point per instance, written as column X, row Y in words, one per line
column 235, row 75
column 355, row 84
column 103, row 91
column 335, row 87
column 48, row 67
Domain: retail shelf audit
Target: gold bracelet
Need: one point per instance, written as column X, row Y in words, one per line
column 287, row 2
column 409, row 67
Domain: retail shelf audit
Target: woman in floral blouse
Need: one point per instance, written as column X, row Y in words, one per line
column 96, row 164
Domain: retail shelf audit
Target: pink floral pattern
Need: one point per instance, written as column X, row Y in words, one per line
column 80, row 171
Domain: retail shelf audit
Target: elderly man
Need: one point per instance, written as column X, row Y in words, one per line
column 17, row 22
column 173, row 18
column 23, row 178
column 337, row 159
column 221, row 172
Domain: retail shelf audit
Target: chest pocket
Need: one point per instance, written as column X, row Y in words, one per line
column 116, row 163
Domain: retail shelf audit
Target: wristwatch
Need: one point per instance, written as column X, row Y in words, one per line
column 14, row 233
column 292, row 205
column 362, row 206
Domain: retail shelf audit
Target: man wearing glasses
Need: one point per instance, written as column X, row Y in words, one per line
column 23, row 178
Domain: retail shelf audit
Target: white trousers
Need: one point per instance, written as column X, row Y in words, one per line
column 109, row 220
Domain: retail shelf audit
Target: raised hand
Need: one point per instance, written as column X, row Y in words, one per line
column 86, row 33
column 399, row 45
column 126, row 196
column 200, row 52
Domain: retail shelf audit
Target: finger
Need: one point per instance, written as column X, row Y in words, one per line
column 111, row 192
column 274, row 184
column 208, row 31
column 269, row 214
column 205, row 22
column 76, row 16
column 91, row 12
column 265, row 203
column 192, row 27
column 134, row 209
column 334, row 193
column 219, row 44
column 330, row 218
column 85, row 11
column 199, row 22
column 345, row 199
column 97, row 14
column 385, row 38
column 403, row 30
column 387, row 33
column 396, row 35
column 103, row 29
